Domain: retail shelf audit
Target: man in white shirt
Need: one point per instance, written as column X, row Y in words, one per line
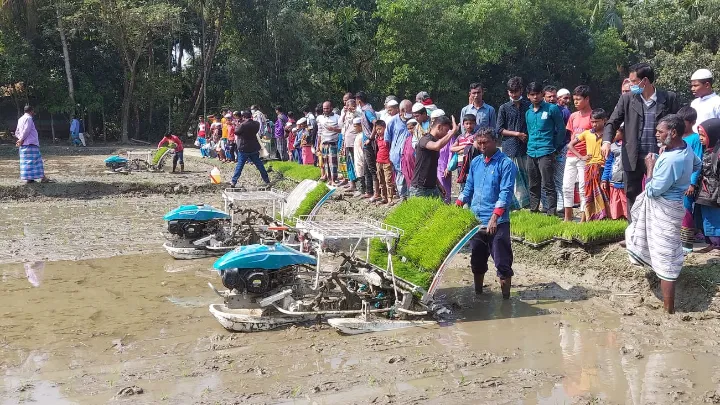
column 707, row 102
column 329, row 132
column 384, row 114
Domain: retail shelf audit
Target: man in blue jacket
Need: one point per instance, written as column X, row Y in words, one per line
column 546, row 134
column 489, row 191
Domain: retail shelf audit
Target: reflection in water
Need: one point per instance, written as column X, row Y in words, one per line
column 35, row 272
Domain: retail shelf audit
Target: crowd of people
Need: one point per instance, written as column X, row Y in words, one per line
column 648, row 161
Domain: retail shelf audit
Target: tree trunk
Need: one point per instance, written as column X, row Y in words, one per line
column 137, row 123
column 66, row 56
column 195, row 100
column 52, row 126
column 129, row 88
column 102, row 111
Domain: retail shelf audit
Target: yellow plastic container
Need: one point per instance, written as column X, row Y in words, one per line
column 215, row 177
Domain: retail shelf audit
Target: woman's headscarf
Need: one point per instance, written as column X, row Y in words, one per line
column 712, row 129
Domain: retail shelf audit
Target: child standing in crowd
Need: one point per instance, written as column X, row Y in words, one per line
column 200, row 140
column 231, row 146
column 708, row 183
column 305, row 138
column 613, row 179
column 595, row 199
column 692, row 139
column 292, row 151
column 384, row 168
column 574, row 171
column 463, row 147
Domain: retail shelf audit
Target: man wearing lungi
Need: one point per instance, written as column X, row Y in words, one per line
column 31, row 163
column 489, row 191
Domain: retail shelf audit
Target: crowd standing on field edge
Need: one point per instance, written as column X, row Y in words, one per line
column 648, row 161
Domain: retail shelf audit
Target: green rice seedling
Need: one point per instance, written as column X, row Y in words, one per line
column 524, row 222
column 543, row 234
column 431, row 231
column 600, row 231
column 295, row 171
column 158, row 154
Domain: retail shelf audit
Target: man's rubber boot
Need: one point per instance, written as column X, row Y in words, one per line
column 182, row 167
column 505, row 287
column 479, row 279
column 174, row 167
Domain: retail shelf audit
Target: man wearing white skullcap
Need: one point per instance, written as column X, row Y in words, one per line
column 707, row 102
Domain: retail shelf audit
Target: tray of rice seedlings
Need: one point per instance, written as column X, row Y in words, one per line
column 600, row 232
column 311, row 200
column 295, row 171
column 568, row 232
column 432, row 229
column 541, row 236
column 524, row 222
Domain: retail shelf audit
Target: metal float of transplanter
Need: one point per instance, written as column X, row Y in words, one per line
column 250, row 216
column 272, row 286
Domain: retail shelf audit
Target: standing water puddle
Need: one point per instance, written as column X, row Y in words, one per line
column 78, row 332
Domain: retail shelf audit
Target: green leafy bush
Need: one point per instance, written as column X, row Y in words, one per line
column 432, row 229
column 295, row 171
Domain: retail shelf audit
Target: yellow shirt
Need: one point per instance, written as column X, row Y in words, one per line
column 224, row 127
column 594, row 144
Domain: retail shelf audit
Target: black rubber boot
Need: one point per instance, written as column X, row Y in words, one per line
column 505, row 287
column 479, row 279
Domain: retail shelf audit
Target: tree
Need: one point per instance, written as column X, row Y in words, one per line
column 132, row 25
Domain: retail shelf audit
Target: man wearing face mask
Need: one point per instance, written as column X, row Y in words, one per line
column 640, row 111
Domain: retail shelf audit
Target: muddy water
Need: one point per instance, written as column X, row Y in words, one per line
column 80, row 332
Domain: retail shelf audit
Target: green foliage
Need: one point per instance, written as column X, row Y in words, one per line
column 295, row 171
column 432, row 229
column 538, row 228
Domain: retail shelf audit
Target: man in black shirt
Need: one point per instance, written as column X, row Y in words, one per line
column 248, row 147
column 427, row 152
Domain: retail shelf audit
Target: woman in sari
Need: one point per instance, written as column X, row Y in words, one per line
column 658, row 211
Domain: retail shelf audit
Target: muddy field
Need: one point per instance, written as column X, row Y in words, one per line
column 93, row 311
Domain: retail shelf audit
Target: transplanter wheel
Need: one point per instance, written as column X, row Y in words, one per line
column 138, row 165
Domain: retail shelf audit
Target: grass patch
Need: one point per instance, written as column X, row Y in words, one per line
column 432, row 229
column 295, row 171
column 538, row 228
column 311, row 199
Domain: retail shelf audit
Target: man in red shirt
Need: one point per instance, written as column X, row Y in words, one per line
column 178, row 158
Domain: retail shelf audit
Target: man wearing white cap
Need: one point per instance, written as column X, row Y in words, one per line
column 423, row 98
column 707, row 102
column 384, row 114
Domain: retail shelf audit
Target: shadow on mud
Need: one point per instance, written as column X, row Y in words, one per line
column 528, row 301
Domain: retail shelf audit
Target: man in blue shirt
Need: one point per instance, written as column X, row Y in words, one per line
column 396, row 134
column 484, row 113
column 489, row 191
column 546, row 134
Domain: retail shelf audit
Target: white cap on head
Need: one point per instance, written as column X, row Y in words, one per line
column 701, row 74
column 228, row 115
column 563, row 92
column 392, row 103
column 417, row 107
column 357, row 120
column 437, row 113
column 301, row 121
column 288, row 125
column 412, row 121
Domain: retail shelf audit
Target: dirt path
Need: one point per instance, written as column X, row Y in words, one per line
column 116, row 316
